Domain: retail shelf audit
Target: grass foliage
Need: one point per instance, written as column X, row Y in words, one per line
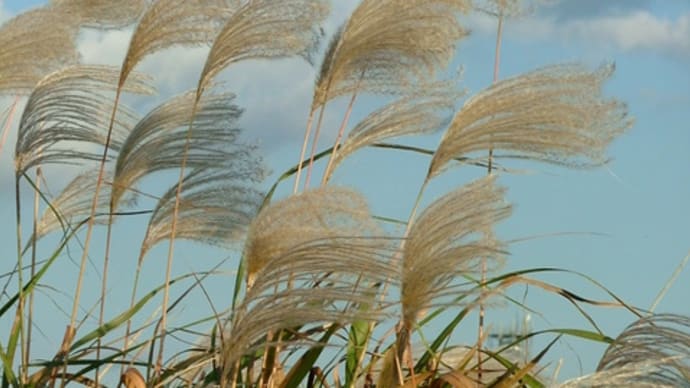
column 325, row 292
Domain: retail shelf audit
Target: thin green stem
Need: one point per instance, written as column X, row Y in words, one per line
column 669, row 283
column 482, row 310
column 29, row 323
column 104, row 285
column 20, row 285
column 132, row 302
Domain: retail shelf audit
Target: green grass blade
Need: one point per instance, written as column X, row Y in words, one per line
column 8, row 376
column 300, row 370
column 439, row 340
column 123, row 317
column 356, row 345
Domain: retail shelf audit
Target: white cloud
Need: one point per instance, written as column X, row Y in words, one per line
column 275, row 94
column 638, row 30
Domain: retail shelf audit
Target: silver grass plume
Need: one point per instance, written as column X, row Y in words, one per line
column 323, row 277
column 421, row 111
column 625, row 375
column 217, row 204
column 105, row 14
column 327, row 212
column 34, row 44
column 266, row 29
column 649, row 339
column 389, row 45
column 554, row 114
column 74, row 204
column 158, row 141
column 168, row 23
column 290, row 308
column 68, row 112
column 447, row 241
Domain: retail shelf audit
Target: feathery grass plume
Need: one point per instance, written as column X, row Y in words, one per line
column 266, row 29
column 157, row 142
column 68, row 106
column 34, row 44
column 449, row 240
column 330, row 277
column 74, row 204
column 327, row 212
column 105, row 14
column 656, row 337
column 132, row 378
column 167, row 23
column 625, row 375
column 555, row 114
column 216, row 206
column 387, row 45
column 420, row 111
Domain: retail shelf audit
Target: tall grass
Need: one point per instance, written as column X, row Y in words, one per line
column 324, row 292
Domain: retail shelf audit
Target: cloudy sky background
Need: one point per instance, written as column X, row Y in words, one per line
column 638, row 203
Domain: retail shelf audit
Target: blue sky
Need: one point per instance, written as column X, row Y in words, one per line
column 637, row 205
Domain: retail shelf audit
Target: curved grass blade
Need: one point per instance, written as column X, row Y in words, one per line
column 358, row 339
column 122, row 317
column 515, row 376
column 305, row 364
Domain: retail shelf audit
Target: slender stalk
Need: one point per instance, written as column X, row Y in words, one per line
column 104, row 285
column 336, row 145
column 670, row 282
column 173, row 230
column 315, row 141
column 341, row 131
column 482, row 310
column 20, row 280
column 314, row 144
column 71, row 329
column 29, row 322
column 307, row 132
column 91, row 221
column 128, row 329
column 403, row 334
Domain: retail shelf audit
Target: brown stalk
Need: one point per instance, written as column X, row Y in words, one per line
column 314, row 142
column 307, row 132
column 341, row 131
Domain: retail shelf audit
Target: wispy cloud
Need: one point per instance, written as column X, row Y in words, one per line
column 636, row 30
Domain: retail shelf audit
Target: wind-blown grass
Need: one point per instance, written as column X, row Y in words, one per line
column 325, row 292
